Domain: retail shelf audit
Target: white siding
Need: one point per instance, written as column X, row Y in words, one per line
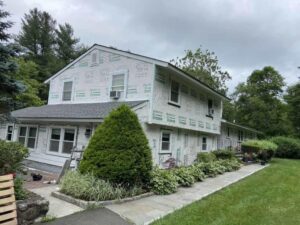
column 92, row 81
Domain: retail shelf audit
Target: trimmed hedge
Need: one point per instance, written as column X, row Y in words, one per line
column 11, row 156
column 287, row 147
column 118, row 152
column 263, row 148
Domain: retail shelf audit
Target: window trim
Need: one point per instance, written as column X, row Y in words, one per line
column 241, row 136
column 119, row 72
column 27, row 135
column 170, row 93
column 63, row 91
column 61, row 140
column 12, row 132
column 161, row 141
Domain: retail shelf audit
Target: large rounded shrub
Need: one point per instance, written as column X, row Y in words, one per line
column 118, row 151
column 287, row 147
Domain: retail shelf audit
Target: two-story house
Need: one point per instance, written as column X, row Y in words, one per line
column 180, row 115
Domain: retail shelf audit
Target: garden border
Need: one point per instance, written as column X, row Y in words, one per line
column 89, row 204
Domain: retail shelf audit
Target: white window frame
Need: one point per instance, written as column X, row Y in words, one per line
column 119, row 72
column 202, row 143
column 12, row 132
column 61, row 140
column 63, row 91
column 212, row 107
column 170, row 93
column 27, row 135
column 161, row 141
column 241, row 136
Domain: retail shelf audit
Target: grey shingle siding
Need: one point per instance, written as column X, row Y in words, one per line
column 72, row 111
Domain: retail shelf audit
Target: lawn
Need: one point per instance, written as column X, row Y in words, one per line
column 271, row 196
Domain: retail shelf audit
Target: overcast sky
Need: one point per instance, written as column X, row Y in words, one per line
column 244, row 34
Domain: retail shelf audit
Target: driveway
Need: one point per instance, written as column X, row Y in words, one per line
column 101, row 216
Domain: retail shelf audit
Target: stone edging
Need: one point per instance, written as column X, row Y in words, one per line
column 87, row 204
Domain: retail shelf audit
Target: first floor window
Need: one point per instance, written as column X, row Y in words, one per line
column 204, row 143
column 186, row 140
column 228, row 131
column 9, row 133
column 62, row 140
column 241, row 135
column 27, row 136
column 165, row 141
column 174, row 92
column 118, row 82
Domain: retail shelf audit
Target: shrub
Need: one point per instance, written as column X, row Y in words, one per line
column 205, row 157
column 224, row 154
column 287, row 147
column 197, row 172
column 209, row 168
column 230, row 164
column 163, row 182
column 118, row 151
column 11, row 156
column 20, row 192
column 90, row 188
column 184, row 176
column 263, row 148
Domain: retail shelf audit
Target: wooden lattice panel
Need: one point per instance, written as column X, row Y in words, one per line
column 8, row 213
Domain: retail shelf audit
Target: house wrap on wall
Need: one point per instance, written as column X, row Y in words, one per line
column 180, row 115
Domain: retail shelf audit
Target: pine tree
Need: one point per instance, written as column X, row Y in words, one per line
column 66, row 43
column 119, row 150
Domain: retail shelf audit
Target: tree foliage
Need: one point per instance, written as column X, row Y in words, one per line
column 9, row 86
column 259, row 105
column 293, row 99
column 118, row 151
column 204, row 66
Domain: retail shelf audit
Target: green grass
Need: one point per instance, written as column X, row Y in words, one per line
column 269, row 197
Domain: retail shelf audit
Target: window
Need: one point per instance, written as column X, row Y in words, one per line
column 228, row 132
column 174, row 92
column 118, row 82
column 62, row 140
column 28, row 136
column 241, row 135
column 210, row 107
column 67, row 92
column 204, row 144
column 186, row 140
column 9, row 133
column 165, row 141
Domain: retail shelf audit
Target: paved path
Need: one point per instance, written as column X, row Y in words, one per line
column 57, row 207
column 101, row 216
column 146, row 210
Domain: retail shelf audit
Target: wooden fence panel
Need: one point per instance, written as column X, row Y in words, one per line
column 8, row 212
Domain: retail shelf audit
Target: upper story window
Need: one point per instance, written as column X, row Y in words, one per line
column 210, row 107
column 9, row 133
column 118, row 82
column 165, row 141
column 28, row 136
column 67, row 92
column 174, row 97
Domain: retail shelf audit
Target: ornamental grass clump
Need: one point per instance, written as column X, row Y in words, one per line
column 163, row 182
column 118, row 151
column 90, row 188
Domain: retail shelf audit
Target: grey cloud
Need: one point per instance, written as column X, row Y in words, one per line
column 245, row 34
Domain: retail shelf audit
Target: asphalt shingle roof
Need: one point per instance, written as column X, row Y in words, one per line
column 72, row 111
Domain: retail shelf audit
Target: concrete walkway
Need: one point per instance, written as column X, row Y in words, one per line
column 146, row 210
column 57, row 207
